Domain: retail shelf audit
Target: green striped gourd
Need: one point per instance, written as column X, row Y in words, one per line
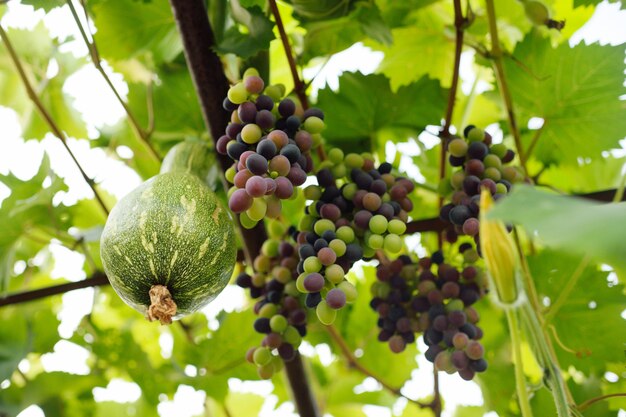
column 169, row 247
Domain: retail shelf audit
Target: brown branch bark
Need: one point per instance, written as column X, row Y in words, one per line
column 96, row 280
column 212, row 86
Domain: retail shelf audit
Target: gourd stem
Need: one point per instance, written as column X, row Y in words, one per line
column 162, row 305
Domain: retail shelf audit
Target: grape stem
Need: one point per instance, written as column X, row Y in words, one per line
column 56, row 130
column 353, row 362
column 459, row 23
column 585, row 405
column 496, row 54
column 299, row 85
column 520, row 379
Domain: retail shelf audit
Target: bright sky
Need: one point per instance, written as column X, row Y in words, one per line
column 99, row 107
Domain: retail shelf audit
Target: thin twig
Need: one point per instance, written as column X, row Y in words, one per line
column 299, row 85
column 436, row 403
column 459, row 22
column 583, row 406
column 97, row 279
column 142, row 134
column 534, row 140
column 353, row 362
column 56, row 130
column 496, row 55
column 566, row 291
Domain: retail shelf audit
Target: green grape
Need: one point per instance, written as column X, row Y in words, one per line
column 499, row 150
column 368, row 252
column 278, row 323
column 274, row 92
column 262, row 356
column 492, row 160
column 378, row 224
column 537, row 12
column 249, row 72
column 276, row 229
column 455, row 305
column 349, row 289
column 281, row 274
column 493, row 173
column 335, row 155
column 458, row 148
column 237, row 94
column 397, row 227
column 300, row 283
column 325, row 314
column 353, row 160
column 393, row 243
column 251, row 133
column 339, row 171
column 501, row 188
column 306, row 223
column 230, row 174
column 291, row 336
column 346, row 233
column 315, row 125
column 476, row 135
column 334, row 274
column 258, row 209
column 246, row 221
column 375, row 241
column 350, row 190
column 338, row 246
column 316, row 139
column 456, row 180
column 323, row 225
column 277, row 363
column 312, row 264
column 268, row 310
column 313, row 192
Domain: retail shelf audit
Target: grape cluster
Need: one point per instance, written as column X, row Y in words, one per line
column 281, row 315
column 270, row 139
column 434, row 298
column 355, row 210
column 482, row 165
column 392, row 293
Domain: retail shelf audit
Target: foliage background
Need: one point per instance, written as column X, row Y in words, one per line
column 575, row 90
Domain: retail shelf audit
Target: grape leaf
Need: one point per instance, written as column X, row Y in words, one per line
column 128, row 29
column 365, row 104
column 589, row 322
column 257, row 37
column 45, row 5
column 331, row 36
column 427, row 45
column 15, row 341
column 575, row 90
column 575, row 225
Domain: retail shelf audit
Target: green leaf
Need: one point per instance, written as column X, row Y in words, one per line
column 419, row 49
column 45, row 5
column 470, row 411
column 128, row 29
column 15, row 341
column 259, row 33
column 589, row 322
column 569, row 223
column 575, row 90
column 327, row 37
column 365, row 104
column 586, row 176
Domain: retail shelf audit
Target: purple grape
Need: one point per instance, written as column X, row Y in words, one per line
column 477, row 150
column 286, row 352
column 267, row 149
column 336, row 298
column 256, row 186
column 291, row 152
column 239, row 201
column 264, row 102
column 256, row 164
column 286, row 107
column 459, row 359
column 457, row 318
column 315, row 112
column 297, row 176
column 233, row 129
column 284, row 188
column 247, row 112
column 314, row 282
column 264, row 119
